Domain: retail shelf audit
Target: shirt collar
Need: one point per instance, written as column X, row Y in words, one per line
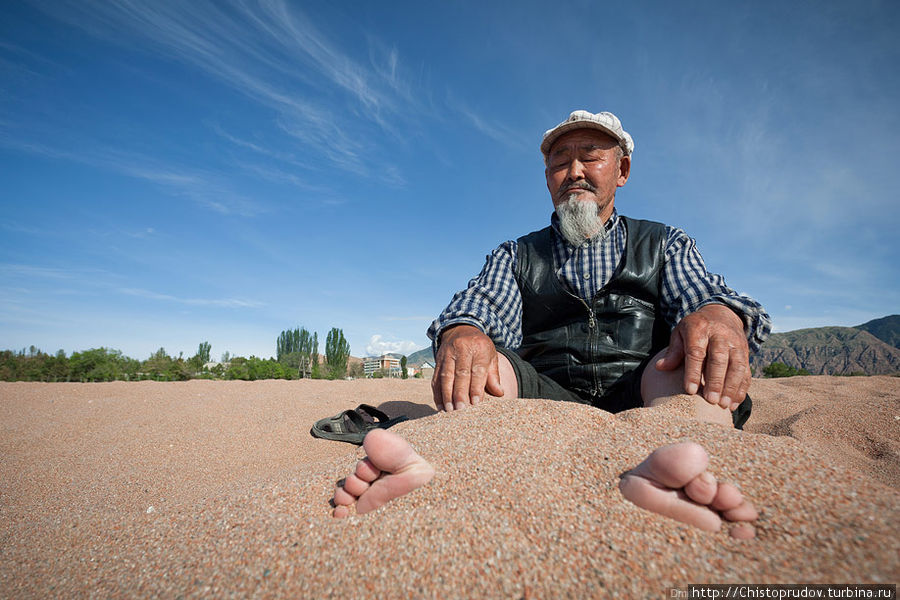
column 608, row 226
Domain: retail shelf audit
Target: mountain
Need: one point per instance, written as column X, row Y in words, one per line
column 886, row 329
column 417, row 358
column 829, row 351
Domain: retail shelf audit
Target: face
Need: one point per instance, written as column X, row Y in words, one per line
column 584, row 164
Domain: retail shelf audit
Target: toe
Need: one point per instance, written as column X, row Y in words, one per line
column 727, row 498
column 675, row 465
column 667, row 502
column 744, row 512
column 355, row 485
column 340, row 512
column 387, row 451
column 342, row 498
column 702, row 489
column 743, row 531
column 366, row 471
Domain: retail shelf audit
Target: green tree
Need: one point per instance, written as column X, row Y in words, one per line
column 337, row 352
column 101, row 364
column 777, row 369
column 404, row 374
column 58, row 367
column 298, row 349
column 8, row 365
column 314, row 369
column 159, row 365
column 238, row 369
column 197, row 361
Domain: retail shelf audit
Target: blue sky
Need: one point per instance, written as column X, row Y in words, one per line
column 174, row 172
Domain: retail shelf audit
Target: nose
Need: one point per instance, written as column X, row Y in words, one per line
column 575, row 170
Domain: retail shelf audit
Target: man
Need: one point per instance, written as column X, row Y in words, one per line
column 597, row 308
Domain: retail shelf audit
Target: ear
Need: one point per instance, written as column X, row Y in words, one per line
column 547, row 179
column 624, row 170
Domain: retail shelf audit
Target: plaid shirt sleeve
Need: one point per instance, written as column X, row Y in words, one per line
column 688, row 286
column 492, row 301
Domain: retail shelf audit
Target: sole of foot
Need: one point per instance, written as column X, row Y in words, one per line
column 674, row 482
column 390, row 469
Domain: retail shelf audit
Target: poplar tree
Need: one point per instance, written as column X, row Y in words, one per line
column 298, row 349
column 337, row 352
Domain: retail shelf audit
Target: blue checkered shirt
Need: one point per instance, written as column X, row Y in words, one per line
column 493, row 303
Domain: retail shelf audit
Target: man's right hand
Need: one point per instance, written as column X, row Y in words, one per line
column 465, row 367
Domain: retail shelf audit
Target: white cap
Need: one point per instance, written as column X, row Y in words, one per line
column 581, row 119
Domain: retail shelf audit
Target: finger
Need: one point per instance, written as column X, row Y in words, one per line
column 445, row 385
column 734, row 379
column 493, row 386
column 674, row 355
column 717, row 364
column 694, row 356
column 462, row 378
column 480, row 370
column 742, row 392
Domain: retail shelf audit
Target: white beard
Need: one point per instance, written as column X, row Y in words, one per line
column 579, row 220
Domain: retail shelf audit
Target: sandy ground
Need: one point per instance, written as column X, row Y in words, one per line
column 216, row 489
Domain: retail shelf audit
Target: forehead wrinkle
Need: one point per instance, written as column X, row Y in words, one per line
column 564, row 147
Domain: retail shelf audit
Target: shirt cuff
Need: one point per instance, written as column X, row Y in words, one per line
column 753, row 327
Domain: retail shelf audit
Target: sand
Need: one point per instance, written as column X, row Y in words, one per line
column 216, row 489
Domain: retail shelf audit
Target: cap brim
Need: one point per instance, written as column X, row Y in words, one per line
column 567, row 127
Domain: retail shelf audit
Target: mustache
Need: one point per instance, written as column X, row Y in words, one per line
column 576, row 185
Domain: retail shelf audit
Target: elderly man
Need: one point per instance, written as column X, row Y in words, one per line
column 597, row 308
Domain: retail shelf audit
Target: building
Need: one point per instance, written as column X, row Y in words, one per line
column 388, row 364
column 427, row 370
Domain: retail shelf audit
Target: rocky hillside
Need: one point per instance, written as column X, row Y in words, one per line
column 886, row 329
column 417, row 358
column 829, row 351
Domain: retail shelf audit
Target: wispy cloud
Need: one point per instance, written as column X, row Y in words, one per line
column 220, row 303
column 34, row 271
column 19, row 228
column 261, row 149
column 270, row 51
column 494, row 129
column 205, row 188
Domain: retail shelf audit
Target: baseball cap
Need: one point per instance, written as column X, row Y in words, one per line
column 581, row 119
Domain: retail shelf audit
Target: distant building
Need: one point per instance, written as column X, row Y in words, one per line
column 386, row 363
column 427, row 370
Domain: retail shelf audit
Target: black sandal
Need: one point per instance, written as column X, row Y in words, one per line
column 353, row 425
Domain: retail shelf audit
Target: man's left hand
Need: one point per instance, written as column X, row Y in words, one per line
column 712, row 345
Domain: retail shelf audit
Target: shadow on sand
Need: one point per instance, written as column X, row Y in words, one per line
column 395, row 408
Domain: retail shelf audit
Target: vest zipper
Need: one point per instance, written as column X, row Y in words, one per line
column 591, row 322
column 592, row 329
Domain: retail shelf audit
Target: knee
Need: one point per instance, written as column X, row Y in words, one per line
column 656, row 384
column 508, row 380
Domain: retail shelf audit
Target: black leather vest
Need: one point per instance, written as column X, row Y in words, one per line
column 587, row 348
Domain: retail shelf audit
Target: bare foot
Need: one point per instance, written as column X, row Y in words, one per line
column 673, row 481
column 391, row 469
